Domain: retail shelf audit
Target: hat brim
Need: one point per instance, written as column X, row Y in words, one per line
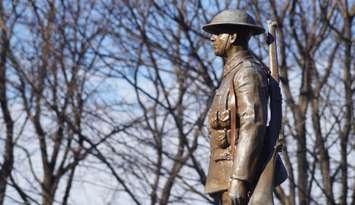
column 218, row 28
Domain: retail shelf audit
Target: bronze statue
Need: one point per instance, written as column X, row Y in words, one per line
column 240, row 140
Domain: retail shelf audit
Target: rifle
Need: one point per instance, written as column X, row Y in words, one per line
column 263, row 192
column 274, row 67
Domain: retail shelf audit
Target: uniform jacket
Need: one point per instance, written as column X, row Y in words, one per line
column 250, row 80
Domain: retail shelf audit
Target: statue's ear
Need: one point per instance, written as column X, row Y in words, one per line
column 233, row 38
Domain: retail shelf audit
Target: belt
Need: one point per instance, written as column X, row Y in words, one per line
column 220, row 154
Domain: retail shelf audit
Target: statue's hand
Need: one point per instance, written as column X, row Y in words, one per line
column 238, row 192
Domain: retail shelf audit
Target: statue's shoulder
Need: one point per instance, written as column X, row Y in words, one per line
column 252, row 61
column 253, row 65
column 249, row 66
column 251, row 70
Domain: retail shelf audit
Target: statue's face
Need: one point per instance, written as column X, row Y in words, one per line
column 221, row 43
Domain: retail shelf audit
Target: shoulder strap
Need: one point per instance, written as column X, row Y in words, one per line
column 234, row 104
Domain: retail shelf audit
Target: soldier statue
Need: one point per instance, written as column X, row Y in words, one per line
column 237, row 118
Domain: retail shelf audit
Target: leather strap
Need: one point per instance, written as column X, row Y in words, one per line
column 234, row 131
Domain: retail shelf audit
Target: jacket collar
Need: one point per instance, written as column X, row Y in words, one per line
column 234, row 61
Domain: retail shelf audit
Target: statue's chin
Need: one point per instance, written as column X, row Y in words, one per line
column 218, row 53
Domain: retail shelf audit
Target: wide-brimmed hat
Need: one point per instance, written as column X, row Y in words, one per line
column 231, row 21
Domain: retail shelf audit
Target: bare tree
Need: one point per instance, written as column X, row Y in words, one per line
column 6, row 26
column 309, row 48
column 161, row 45
column 121, row 89
column 53, row 73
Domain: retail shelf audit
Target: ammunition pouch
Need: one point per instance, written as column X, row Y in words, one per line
column 220, row 119
column 220, row 138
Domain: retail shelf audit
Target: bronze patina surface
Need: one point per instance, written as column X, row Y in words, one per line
column 236, row 159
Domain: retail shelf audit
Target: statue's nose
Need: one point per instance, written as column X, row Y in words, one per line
column 213, row 37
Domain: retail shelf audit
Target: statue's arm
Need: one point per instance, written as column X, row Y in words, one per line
column 251, row 113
